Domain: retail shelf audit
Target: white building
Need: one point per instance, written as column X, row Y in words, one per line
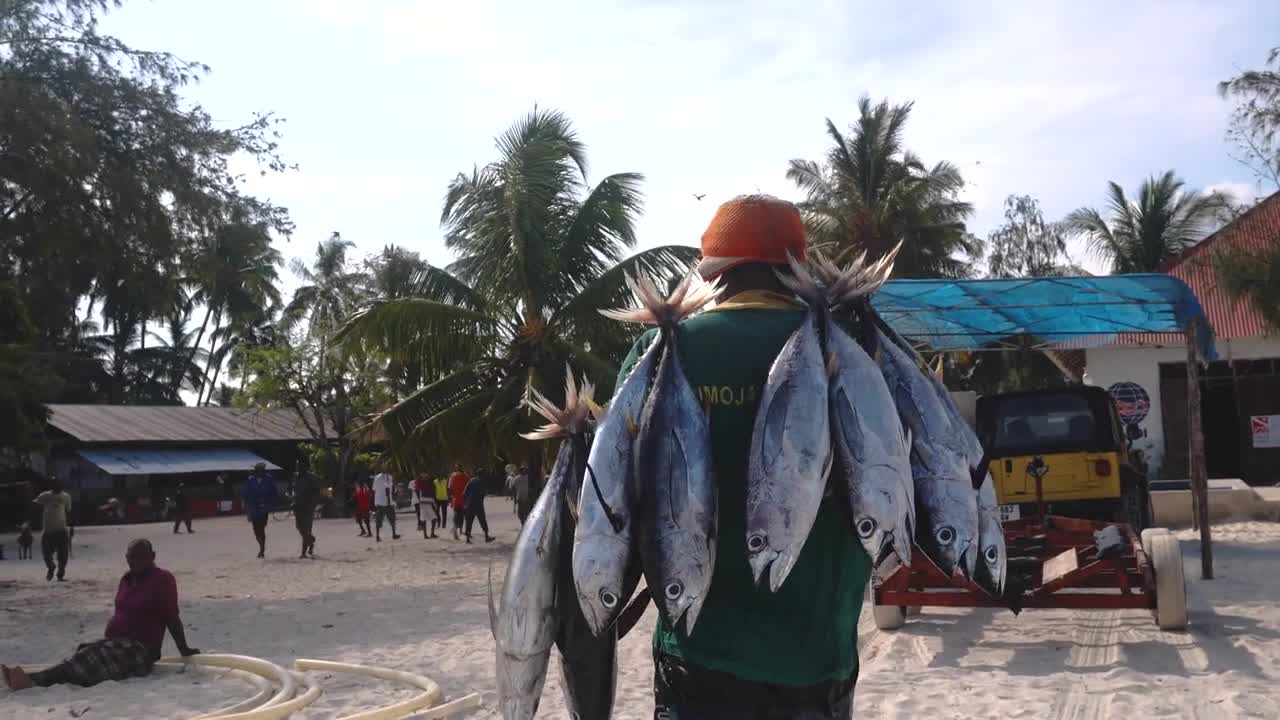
column 1146, row 373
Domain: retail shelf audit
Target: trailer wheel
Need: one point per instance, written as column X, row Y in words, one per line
column 889, row 617
column 1171, row 587
column 1146, row 539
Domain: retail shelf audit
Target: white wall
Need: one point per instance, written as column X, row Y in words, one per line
column 1108, row 366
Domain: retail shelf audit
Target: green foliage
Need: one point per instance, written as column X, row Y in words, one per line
column 872, row 193
column 1255, row 122
column 1027, row 246
column 539, row 252
column 1138, row 236
column 115, row 193
column 24, row 379
column 1253, row 276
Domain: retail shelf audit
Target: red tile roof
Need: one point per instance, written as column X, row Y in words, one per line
column 1256, row 229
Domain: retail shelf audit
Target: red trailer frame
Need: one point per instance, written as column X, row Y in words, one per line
column 1032, row 543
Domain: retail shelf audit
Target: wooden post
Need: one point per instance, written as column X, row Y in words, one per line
column 1195, row 454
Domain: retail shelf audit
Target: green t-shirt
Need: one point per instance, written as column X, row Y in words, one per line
column 56, row 507
column 806, row 632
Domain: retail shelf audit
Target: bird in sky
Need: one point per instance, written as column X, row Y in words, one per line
column 699, row 197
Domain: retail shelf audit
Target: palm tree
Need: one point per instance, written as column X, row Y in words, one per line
column 1138, row 236
column 872, row 193
column 175, row 358
column 331, row 290
column 539, row 251
column 235, row 277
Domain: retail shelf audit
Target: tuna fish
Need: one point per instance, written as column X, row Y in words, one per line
column 605, row 566
column 673, row 489
column 993, row 558
column 946, row 503
column 526, row 624
column 588, row 662
column 790, row 444
column 872, row 451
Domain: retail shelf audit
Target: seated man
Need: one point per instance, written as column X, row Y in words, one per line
column 146, row 606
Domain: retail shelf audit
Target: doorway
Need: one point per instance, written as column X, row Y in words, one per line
column 1220, row 420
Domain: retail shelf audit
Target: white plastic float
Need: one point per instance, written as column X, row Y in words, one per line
column 265, row 689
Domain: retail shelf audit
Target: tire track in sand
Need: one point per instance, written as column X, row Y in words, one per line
column 1095, row 639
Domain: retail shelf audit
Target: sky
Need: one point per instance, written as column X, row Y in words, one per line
column 387, row 100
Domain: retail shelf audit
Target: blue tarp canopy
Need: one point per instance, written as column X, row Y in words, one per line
column 172, row 461
column 971, row 314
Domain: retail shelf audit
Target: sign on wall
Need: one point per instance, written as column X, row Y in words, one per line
column 1265, row 430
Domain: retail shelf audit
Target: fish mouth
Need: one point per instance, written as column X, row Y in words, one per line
column 965, row 562
column 689, row 616
column 887, row 548
column 775, row 564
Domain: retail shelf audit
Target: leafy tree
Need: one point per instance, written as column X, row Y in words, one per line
column 24, row 376
column 1027, row 246
column 1253, row 276
column 1255, row 123
column 872, row 193
column 1139, row 235
column 331, row 394
column 539, row 251
column 109, row 184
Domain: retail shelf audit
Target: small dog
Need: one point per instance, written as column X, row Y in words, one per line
column 24, row 542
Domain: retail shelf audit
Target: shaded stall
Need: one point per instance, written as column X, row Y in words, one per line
column 1041, row 313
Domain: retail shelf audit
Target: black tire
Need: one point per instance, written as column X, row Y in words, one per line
column 1135, row 502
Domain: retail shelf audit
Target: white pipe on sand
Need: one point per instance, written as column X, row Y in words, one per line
column 278, row 706
column 430, row 695
column 265, row 689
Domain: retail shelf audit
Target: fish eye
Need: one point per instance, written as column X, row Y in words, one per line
column 674, row 590
column 866, row 527
column 756, row 542
column 945, row 535
column 992, row 554
column 608, row 599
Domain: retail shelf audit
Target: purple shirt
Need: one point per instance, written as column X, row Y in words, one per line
column 145, row 604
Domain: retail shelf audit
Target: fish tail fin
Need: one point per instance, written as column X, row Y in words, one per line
column 859, row 280
column 802, row 281
column 493, row 611
column 689, row 296
column 562, row 422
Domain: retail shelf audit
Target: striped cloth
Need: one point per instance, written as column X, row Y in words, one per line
column 99, row 661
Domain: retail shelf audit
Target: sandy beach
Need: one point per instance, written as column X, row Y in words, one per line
column 419, row 605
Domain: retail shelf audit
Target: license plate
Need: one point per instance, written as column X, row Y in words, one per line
column 1010, row 512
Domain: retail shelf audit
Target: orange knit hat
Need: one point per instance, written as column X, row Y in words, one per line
column 752, row 229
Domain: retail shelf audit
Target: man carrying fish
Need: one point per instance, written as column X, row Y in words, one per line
column 756, row 651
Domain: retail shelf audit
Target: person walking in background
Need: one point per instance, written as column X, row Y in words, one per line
column 442, row 504
column 421, row 491
column 260, row 495
column 473, row 502
column 522, row 489
column 457, row 493
column 364, row 504
column 306, row 494
column 24, row 542
column 384, row 505
column 181, row 508
column 55, row 538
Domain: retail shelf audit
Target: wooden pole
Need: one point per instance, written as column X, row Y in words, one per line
column 1195, row 454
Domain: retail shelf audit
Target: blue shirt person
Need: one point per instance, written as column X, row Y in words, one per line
column 259, row 500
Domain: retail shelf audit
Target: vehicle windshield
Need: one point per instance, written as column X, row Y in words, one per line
column 1043, row 420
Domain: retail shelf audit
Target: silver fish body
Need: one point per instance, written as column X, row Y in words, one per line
column 947, row 508
column 588, row 662
column 524, row 626
column 873, row 453
column 790, row 456
column 605, row 569
column 993, row 555
column 677, row 494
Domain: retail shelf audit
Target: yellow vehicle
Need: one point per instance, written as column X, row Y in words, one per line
column 1075, row 438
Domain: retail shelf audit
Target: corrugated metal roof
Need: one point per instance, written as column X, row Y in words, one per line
column 169, row 424
column 177, row 461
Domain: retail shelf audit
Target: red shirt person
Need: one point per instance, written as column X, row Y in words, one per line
column 146, row 606
column 457, row 491
column 364, row 504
